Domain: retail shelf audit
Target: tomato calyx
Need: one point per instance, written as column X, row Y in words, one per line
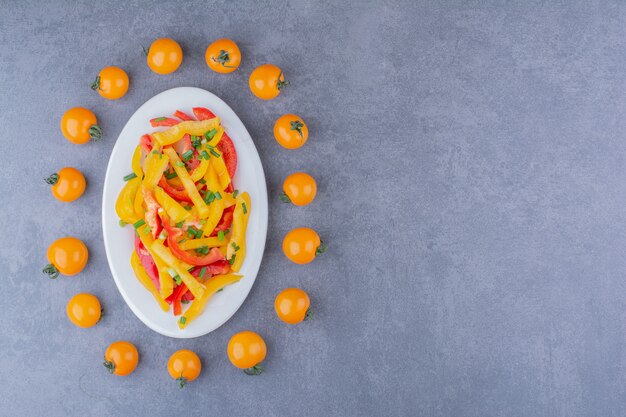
column 322, row 248
column 52, row 179
column 182, row 381
column 223, row 58
column 95, row 132
column 51, row 271
column 281, row 83
column 255, row 370
column 284, row 198
column 95, row 86
column 110, row 365
column 297, row 125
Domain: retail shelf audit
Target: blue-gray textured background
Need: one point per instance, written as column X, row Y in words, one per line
column 470, row 161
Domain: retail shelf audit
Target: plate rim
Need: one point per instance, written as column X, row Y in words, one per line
column 261, row 231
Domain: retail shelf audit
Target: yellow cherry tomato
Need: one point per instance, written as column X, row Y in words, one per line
column 246, row 350
column 290, row 131
column 223, row 56
column 299, row 188
column 302, row 245
column 111, row 83
column 164, row 56
column 67, row 256
column 121, row 358
column 79, row 125
column 266, row 81
column 184, row 366
column 292, row 305
column 67, row 185
column 84, row 310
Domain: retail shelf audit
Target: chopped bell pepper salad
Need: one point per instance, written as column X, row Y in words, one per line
column 190, row 222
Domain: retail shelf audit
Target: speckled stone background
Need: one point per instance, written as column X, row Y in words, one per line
column 470, row 159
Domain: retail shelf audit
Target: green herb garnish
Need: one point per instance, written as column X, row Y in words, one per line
column 130, row 177
column 139, row 223
column 187, row 155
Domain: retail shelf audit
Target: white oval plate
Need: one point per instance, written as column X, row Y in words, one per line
column 118, row 241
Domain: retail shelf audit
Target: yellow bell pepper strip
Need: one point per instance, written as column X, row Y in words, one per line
column 175, row 133
column 213, row 285
column 236, row 251
column 216, row 139
column 136, row 163
column 217, row 208
column 154, row 166
column 140, row 211
column 188, row 184
column 173, row 209
column 124, row 206
column 211, row 242
column 217, row 162
column 200, row 170
column 196, row 288
column 166, row 282
column 144, row 279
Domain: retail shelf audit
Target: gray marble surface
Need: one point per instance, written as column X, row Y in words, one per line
column 470, row 162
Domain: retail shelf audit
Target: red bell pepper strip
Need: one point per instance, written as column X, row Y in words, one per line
column 225, row 221
column 175, row 234
column 146, row 144
column 147, row 262
column 229, row 154
column 164, row 121
column 226, row 144
column 152, row 206
column 188, row 296
column 176, row 193
column 183, row 116
column 202, row 113
column 178, row 294
column 216, row 268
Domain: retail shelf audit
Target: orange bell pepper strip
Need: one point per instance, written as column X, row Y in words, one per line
column 144, row 279
column 190, row 186
column 212, row 285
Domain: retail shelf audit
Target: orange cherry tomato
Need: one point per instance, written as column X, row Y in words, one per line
column 246, row 350
column 299, row 188
column 121, row 358
column 292, row 305
column 79, row 125
column 290, row 131
column 111, row 83
column 67, row 256
column 223, row 56
column 184, row 366
column 67, row 185
column 302, row 245
column 84, row 310
column 266, row 81
column 164, row 56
